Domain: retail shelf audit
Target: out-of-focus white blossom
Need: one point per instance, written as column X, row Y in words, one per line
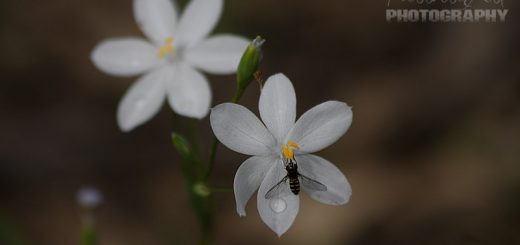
column 89, row 197
column 176, row 49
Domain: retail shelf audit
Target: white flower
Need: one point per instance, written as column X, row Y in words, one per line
column 176, row 46
column 89, row 197
column 282, row 140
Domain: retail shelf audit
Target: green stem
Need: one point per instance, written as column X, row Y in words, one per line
column 212, row 155
column 202, row 204
column 200, row 199
column 238, row 95
column 88, row 235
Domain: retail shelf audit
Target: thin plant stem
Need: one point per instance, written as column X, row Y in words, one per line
column 212, row 155
column 192, row 173
column 202, row 204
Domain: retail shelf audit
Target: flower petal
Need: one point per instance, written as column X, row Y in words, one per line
column 156, row 18
column 143, row 99
column 218, row 55
column 321, row 126
column 338, row 189
column 189, row 93
column 124, row 56
column 240, row 130
column 279, row 212
column 248, row 178
column 198, row 20
column 278, row 106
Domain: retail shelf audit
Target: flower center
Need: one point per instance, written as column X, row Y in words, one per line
column 288, row 149
column 167, row 47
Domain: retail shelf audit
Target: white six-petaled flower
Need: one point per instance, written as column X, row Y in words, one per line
column 177, row 47
column 279, row 140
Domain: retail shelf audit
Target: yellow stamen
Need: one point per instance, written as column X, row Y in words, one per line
column 293, row 144
column 167, row 48
column 288, row 152
column 288, row 148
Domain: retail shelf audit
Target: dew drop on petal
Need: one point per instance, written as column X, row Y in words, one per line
column 278, row 205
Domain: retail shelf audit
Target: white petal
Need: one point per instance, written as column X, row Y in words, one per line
column 248, row 178
column 156, row 18
column 278, row 106
column 198, row 20
column 278, row 213
column 240, row 130
column 219, row 54
column 338, row 189
column 189, row 93
column 124, row 56
column 143, row 99
column 321, row 126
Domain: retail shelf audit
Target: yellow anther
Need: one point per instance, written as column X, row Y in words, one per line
column 167, row 48
column 287, row 152
column 293, row 144
column 288, row 148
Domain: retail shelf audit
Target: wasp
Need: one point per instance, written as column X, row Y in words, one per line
column 295, row 179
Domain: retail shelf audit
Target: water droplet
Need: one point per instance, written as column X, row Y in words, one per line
column 278, row 205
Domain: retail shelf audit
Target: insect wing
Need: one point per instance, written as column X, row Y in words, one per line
column 280, row 189
column 311, row 184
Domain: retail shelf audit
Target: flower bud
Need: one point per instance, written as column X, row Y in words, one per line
column 182, row 146
column 249, row 64
column 201, row 189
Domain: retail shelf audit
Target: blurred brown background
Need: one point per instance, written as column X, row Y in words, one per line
column 432, row 155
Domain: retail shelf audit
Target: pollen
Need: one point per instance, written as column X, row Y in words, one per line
column 293, row 144
column 287, row 152
column 167, row 47
column 288, row 149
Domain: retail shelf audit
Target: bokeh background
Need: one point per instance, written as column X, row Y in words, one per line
column 432, row 155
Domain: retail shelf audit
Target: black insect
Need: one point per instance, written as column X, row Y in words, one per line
column 295, row 180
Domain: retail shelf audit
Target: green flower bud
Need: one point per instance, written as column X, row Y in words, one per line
column 182, row 146
column 248, row 65
column 201, row 189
